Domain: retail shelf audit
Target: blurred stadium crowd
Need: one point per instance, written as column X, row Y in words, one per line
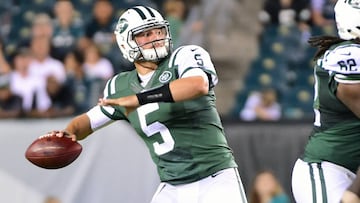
column 56, row 55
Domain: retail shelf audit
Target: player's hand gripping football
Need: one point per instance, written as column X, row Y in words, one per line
column 61, row 133
column 129, row 102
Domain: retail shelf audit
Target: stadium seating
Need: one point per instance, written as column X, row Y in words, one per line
column 285, row 63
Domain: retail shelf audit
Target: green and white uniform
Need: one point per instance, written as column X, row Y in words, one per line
column 185, row 139
column 332, row 154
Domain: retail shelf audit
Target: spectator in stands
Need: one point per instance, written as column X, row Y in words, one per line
column 193, row 27
column 261, row 106
column 218, row 26
column 100, row 30
column 267, row 189
column 77, row 80
column 6, row 8
column 10, row 103
column 175, row 11
column 62, row 98
column 21, row 78
column 4, row 65
column 96, row 66
column 43, row 64
column 285, row 12
column 68, row 29
column 323, row 12
column 98, row 69
column 42, row 26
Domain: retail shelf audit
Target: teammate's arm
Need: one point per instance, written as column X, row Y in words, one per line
column 349, row 94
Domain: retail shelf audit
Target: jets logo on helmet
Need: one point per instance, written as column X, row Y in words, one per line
column 122, row 25
column 347, row 17
column 353, row 3
column 134, row 21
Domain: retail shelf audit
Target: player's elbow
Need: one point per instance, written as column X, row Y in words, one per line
column 201, row 87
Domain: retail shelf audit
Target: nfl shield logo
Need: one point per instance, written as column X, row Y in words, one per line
column 165, row 76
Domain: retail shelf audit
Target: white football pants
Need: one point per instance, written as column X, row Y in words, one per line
column 323, row 182
column 224, row 186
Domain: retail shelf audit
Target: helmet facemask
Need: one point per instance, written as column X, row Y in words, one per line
column 155, row 53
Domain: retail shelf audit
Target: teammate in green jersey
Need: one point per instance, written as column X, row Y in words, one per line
column 169, row 100
column 332, row 154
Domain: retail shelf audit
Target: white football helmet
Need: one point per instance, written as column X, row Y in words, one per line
column 347, row 17
column 134, row 21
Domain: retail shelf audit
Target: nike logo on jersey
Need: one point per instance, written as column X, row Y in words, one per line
column 193, row 49
column 216, row 174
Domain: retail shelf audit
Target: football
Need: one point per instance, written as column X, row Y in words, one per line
column 53, row 152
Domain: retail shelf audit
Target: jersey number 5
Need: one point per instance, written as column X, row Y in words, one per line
column 154, row 128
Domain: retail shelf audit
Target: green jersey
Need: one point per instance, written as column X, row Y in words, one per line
column 185, row 139
column 336, row 133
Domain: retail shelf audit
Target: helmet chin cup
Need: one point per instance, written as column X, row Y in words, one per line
column 155, row 53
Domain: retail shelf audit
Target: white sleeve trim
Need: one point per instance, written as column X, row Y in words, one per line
column 195, row 72
column 97, row 118
column 340, row 80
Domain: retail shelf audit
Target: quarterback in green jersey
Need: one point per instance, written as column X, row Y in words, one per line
column 169, row 100
column 332, row 154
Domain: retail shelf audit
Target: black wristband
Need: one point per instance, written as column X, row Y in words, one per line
column 160, row 94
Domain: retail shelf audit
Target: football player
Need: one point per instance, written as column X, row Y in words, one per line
column 332, row 154
column 169, row 100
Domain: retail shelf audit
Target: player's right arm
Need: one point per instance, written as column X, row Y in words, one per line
column 79, row 127
column 349, row 94
column 85, row 124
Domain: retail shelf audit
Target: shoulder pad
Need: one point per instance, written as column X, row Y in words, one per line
column 344, row 59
